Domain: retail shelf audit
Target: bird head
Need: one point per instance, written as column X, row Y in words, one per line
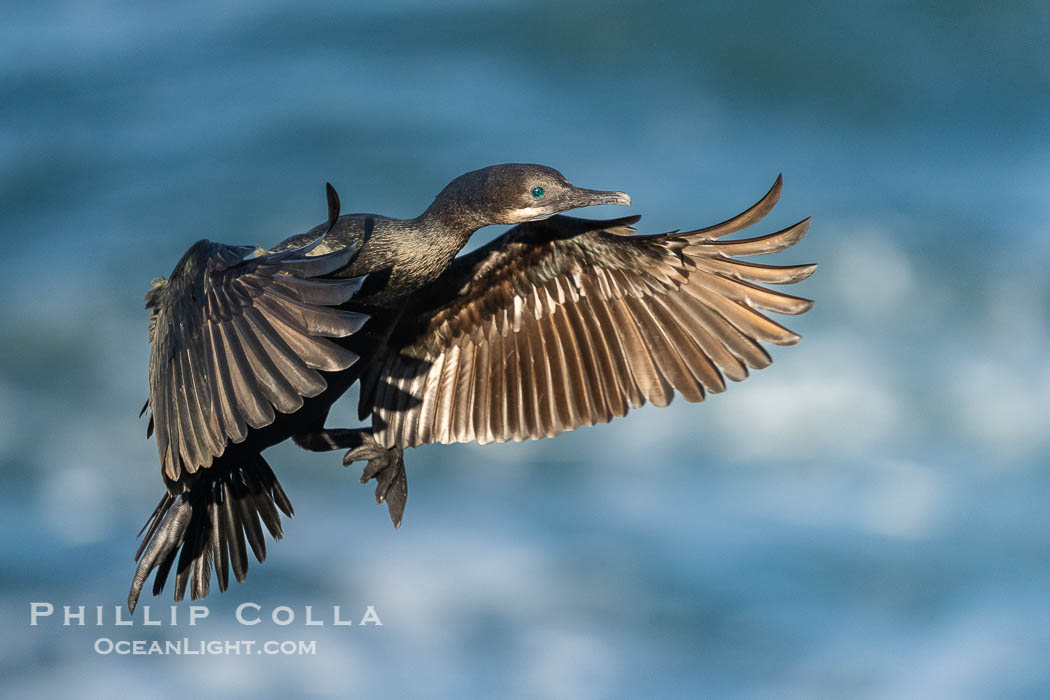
column 513, row 193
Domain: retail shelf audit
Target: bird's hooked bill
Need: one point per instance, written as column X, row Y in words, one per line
column 592, row 198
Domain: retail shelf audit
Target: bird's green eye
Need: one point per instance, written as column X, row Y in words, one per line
column 537, row 192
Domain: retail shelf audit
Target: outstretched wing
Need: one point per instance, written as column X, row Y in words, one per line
column 235, row 339
column 569, row 322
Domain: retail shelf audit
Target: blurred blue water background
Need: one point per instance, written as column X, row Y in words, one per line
column 867, row 518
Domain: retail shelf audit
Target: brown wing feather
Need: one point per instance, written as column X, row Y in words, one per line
column 569, row 322
column 235, row 339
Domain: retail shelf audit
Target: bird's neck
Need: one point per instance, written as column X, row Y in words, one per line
column 449, row 223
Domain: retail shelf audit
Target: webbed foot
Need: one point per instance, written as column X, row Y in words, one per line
column 385, row 465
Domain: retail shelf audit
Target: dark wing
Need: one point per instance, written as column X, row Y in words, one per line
column 233, row 340
column 569, row 322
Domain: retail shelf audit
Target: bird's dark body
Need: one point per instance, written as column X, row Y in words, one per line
column 561, row 322
column 402, row 256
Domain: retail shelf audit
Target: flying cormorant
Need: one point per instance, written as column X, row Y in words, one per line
column 558, row 323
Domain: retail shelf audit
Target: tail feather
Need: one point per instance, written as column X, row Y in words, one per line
column 206, row 527
column 219, row 546
column 234, row 535
column 152, row 522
